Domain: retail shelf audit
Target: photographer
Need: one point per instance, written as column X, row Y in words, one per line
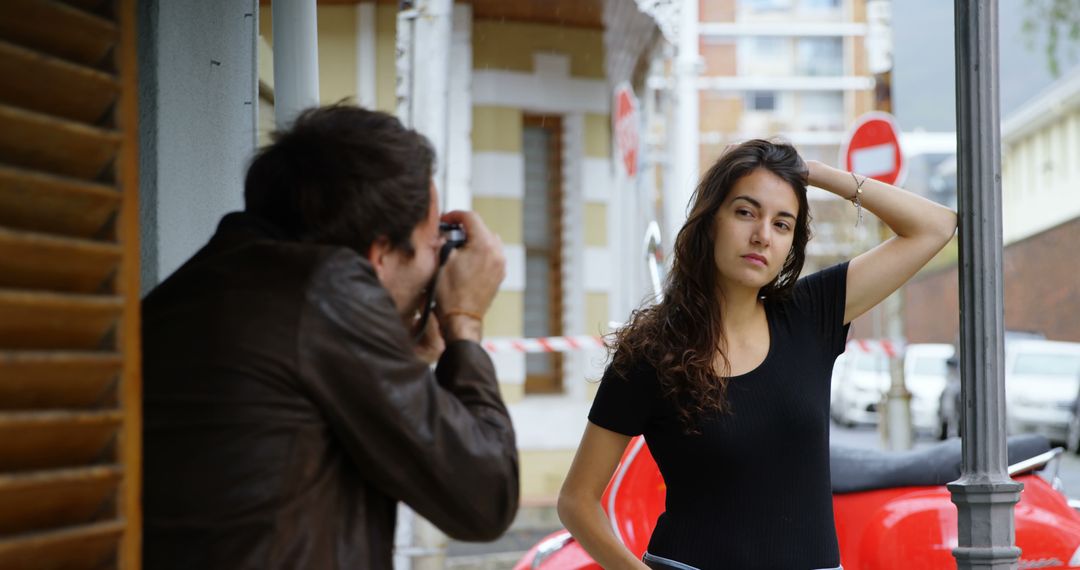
column 289, row 403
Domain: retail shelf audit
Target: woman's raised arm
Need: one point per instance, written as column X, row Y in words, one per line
column 922, row 229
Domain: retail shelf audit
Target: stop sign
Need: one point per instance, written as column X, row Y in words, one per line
column 626, row 127
column 872, row 148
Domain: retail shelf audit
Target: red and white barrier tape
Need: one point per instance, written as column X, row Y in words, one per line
column 890, row 348
column 544, row 344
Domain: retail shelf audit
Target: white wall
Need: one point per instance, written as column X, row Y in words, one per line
column 197, row 130
column 1041, row 161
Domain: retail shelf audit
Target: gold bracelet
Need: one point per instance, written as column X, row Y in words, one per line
column 464, row 313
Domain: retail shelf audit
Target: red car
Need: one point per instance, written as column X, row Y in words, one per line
column 892, row 510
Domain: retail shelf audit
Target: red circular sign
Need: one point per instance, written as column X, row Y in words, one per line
column 626, row 128
column 872, row 148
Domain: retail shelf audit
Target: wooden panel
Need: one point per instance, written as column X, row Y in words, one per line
column 39, row 261
column 100, row 7
column 58, row 29
column 42, row 202
column 33, row 81
column 129, row 450
column 40, row 142
column 79, row 548
column 53, row 321
column 50, row 499
column 57, row 380
column 576, row 13
column 32, row 441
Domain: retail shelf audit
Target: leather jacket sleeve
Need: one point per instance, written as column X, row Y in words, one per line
column 441, row 442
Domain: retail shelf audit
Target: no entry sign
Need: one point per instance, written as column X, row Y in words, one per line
column 626, row 120
column 872, row 148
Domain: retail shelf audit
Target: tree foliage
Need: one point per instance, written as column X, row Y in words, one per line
column 1056, row 25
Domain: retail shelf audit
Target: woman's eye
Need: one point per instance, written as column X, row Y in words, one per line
column 742, row 212
column 783, row 226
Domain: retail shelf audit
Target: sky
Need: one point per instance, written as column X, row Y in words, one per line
column 924, row 83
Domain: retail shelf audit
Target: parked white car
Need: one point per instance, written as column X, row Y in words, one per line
column 925, row 372
column 860, row 379
column 1041, row 384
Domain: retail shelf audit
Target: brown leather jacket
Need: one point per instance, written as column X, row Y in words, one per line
column 286, row 415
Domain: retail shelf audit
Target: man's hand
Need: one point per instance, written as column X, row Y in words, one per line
column 470, row 279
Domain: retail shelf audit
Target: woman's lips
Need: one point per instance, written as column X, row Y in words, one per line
column 756, row 259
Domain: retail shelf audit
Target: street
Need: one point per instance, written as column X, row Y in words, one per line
column 869, row 437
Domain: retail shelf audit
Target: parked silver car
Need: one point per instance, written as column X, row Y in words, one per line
column 949, row 407
column 925, row 373
column 859, row 381
column 1041, row 384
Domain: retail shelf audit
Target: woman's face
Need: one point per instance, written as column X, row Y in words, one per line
column 754, row 229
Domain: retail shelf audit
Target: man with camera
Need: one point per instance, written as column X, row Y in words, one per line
column 289, row 401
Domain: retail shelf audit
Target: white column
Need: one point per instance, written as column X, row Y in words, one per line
column 423, row 64
column 296, row 59
column 684, row 146
column 423, row 74
column 458, row 192
column 365, row 55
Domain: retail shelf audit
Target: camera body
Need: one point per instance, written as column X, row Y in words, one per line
column 455, row 234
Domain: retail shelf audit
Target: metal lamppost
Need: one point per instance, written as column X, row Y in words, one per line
column 984, row 494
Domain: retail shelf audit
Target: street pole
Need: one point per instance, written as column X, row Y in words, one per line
column 423, row 100
column 296, row 59
column 896, row 417
column 984, row 494
column 684, row 148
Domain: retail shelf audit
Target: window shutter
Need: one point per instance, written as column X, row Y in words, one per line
column 70, row 403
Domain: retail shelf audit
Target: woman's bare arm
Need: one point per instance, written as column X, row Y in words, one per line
column 579, row 500
column 922, row 229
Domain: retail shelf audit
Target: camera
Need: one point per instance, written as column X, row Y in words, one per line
column 455, row 233
column 455, row 238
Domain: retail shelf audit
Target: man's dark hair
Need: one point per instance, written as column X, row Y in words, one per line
column 343, row 175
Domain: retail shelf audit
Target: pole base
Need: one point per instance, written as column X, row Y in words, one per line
column 986, row 528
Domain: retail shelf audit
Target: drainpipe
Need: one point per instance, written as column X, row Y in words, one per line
column 984, row 494
column 296, row 59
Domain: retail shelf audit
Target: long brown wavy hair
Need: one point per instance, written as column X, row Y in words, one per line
column 682, row 334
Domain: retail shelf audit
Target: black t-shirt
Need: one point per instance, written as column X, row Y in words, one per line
column 752, row 489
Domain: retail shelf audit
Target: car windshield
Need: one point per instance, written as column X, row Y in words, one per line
column 1067, row 365
column 927, row 366
column 872, row 363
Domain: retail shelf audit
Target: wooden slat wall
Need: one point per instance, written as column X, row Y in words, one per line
column 70, row 390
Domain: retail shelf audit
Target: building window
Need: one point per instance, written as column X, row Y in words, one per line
column 542, row 238
column 768, row 5
column 820, row 56
column 819, row 5
column 761, row 101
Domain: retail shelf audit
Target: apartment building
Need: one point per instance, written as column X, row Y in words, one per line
column 795, row 69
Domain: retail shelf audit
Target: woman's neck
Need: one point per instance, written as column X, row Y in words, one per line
column 739, row 307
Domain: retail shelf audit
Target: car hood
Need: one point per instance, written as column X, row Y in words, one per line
column 925, row 385
column 1042, row 388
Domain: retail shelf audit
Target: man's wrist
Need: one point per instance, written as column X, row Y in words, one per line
column 459, row 325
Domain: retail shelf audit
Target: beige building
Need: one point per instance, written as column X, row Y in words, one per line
column 530, row 148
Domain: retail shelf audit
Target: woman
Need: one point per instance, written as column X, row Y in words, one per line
column 728, row 376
